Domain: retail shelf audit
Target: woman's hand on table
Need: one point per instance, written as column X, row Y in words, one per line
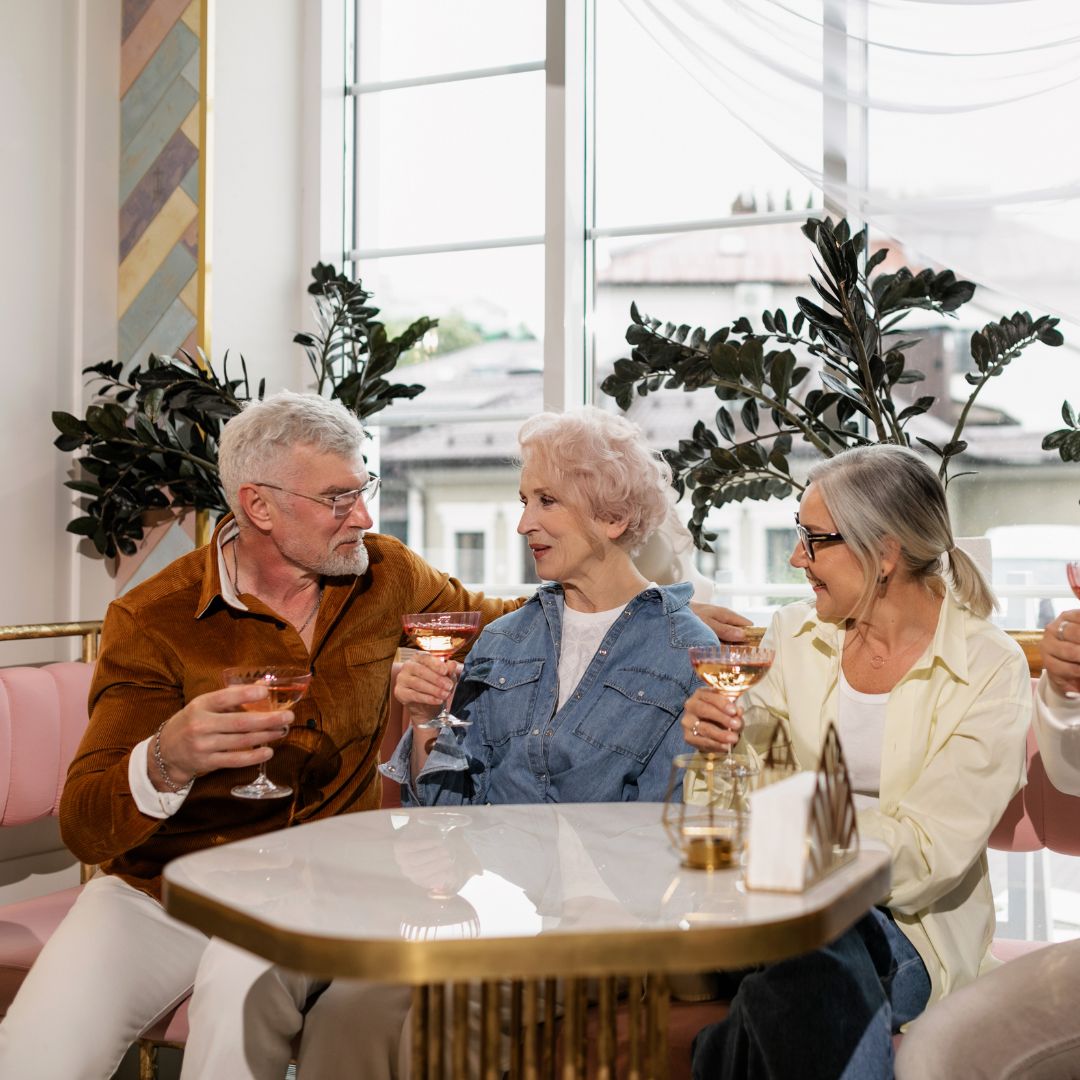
column 1061, row 653
column 216, row 731
column 423, row 684
column 711, row 722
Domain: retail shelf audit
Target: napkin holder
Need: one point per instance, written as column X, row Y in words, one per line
column 786, row 859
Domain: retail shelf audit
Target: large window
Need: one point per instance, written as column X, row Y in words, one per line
column 448, row 222
column 525, row 172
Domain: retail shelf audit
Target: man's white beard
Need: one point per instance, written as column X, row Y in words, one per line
column 348, row 562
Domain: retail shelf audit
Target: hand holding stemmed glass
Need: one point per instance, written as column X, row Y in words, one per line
column 285, row 686
column 728, row 670
column 441, row 634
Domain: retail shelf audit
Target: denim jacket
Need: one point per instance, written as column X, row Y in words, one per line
column 612, row 741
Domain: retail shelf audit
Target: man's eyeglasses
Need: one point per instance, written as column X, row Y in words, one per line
column 808, row 539
column 342, row 504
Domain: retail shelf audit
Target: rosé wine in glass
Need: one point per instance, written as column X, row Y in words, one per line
column 731, row 669
column 285, row 686
column 442, row 633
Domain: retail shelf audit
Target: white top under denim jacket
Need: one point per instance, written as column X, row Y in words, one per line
column 612, row 741
column 952, row 758
column 1057, row 731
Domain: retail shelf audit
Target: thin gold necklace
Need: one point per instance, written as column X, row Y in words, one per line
column 877, row 660
column 236, row 585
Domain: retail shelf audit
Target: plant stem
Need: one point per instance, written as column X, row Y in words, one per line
column 864, row 366
column 961, row 421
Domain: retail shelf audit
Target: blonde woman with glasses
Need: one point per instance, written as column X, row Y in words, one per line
column 932, row 703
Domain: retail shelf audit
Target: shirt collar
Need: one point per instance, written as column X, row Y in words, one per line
column 217, row 582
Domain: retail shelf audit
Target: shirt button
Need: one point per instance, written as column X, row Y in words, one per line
column 641, row 693
column 390, row 768
column 577, row 697
column 536, row 731
column 501, row 681
column 549, row 733
column 603, row 652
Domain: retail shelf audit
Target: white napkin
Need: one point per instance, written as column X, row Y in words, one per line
column 777, row 849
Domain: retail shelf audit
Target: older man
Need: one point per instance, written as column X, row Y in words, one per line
column 1020, row 1020
column 290, row 577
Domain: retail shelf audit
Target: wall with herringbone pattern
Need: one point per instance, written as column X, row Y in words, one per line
column 159, row 178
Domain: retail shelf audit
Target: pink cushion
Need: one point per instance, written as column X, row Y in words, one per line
column 43, row 714
column 1010, row 948
column 25, row 926
column 170, row 1028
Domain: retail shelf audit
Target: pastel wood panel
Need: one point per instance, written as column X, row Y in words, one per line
column 158, row 258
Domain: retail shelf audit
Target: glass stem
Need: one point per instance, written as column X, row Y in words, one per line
column 444, row 715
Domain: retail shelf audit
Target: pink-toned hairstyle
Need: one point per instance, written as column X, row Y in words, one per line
column 603, row 468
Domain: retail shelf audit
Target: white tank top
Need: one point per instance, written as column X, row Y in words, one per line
column 861, row 726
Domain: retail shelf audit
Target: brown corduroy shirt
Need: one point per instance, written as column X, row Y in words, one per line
column 166, row 642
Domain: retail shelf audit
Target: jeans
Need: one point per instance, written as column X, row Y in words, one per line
column 826, row 1015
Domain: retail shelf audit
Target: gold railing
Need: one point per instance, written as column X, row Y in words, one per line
column 90, row 632
column 1028, row 640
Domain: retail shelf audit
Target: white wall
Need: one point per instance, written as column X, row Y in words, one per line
column 59, row 74
column 258, row 159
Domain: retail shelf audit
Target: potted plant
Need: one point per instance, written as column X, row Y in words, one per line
column 149, row 441
column 827, row 379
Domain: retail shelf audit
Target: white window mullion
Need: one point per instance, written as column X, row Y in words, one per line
column 327, row 160
column 844, row 125
column 565, row 383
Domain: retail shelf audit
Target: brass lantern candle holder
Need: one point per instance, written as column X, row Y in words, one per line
column 710, row 830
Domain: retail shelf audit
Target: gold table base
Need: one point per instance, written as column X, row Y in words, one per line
column 442, row 1034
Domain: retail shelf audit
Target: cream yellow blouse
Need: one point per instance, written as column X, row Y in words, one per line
column 952, row 758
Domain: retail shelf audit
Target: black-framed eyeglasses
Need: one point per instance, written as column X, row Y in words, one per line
column 808, row 539
column 341, row 504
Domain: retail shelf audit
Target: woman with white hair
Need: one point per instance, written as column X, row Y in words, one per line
column 576, row 696
column 932, row 704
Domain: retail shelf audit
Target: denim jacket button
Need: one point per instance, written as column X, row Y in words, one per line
column 501, row 680
column 641, row 693
column 536, row 731
column 549, row 733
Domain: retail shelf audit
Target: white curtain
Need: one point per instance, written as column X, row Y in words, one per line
column 952, row 126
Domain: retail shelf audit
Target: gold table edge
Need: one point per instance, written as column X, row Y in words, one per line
column 583, row 954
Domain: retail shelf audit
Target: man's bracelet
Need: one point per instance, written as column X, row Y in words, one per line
column 160, row 762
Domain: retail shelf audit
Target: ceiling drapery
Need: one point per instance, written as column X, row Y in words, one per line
column 948, row 125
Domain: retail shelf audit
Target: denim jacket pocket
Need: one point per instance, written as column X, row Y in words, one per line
column 634, row 713
column 510, row 687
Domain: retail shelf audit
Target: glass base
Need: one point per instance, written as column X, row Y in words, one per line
column 436, row 723
column 735, row 766
column 261, row 788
